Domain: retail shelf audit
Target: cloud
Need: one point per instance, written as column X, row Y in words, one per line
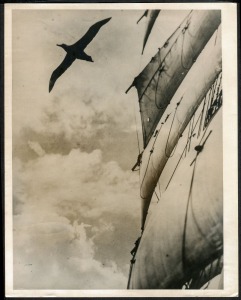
column 72, row 206
column 36, row 148
column 87, row 123
column 64, row 260
column 61, row 181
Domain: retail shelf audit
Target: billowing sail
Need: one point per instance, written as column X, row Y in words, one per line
column 187, row 99
column 159, row 80
column 151, row 16
column 180, row 96
column 183, row 237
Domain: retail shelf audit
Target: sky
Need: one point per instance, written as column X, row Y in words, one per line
column 76, row 204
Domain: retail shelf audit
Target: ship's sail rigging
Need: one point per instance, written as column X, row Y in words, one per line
column 180, row 96
column 159, row 80
column 202, row 78
column 183, row 236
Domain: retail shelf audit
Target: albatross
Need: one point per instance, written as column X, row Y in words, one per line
column 76, row 51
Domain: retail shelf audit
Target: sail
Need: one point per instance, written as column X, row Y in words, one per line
column 183, row 237
column 187, row 99
column 159, row 80
column 151, row 16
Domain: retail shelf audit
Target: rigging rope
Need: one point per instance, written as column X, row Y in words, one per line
column 175, row 168
column 162, row 68
column 188, row 202
column 185, row 219
column 184, row 150
column 199, row 147
column 188, row 137
column 166, row 53
column 173, row 151
column 158, row 199
column 151, row 151
column 201, row 120
column 191, row 135
column 211, row 95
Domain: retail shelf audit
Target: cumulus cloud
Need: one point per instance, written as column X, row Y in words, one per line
column 76, row 208
column 64, row 260
column 69, row 204
column 76, row 176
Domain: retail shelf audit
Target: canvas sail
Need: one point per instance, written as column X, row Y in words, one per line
column 198, row 82
column 183, row 236
column 159, row 80
column 151, row 18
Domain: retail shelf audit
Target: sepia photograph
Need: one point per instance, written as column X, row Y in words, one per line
column 120, row 169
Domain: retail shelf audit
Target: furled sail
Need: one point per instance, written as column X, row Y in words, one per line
column 198, row 82
column 159, row 80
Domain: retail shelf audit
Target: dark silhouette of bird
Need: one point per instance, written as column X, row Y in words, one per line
column 76, row 51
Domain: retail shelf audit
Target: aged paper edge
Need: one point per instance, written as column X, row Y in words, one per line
column 230, row 153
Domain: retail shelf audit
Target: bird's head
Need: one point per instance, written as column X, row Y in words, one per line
column 62, row 46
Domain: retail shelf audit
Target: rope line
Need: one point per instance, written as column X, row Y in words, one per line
column 187, row 207
column 149, row 160
column 202, row 145
column 157, row 85
column 166, row 53
column 175, row 168
column 190, row 140
column 158, row 199
column 173, row 151
column 188, row 137
column 201, row 120
column 185, row 220
column 183, row 152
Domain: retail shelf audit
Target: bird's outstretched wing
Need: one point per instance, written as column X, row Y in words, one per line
column 66, row 63
column 90, row 34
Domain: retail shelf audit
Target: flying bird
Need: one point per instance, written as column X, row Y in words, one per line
column 76, row 51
